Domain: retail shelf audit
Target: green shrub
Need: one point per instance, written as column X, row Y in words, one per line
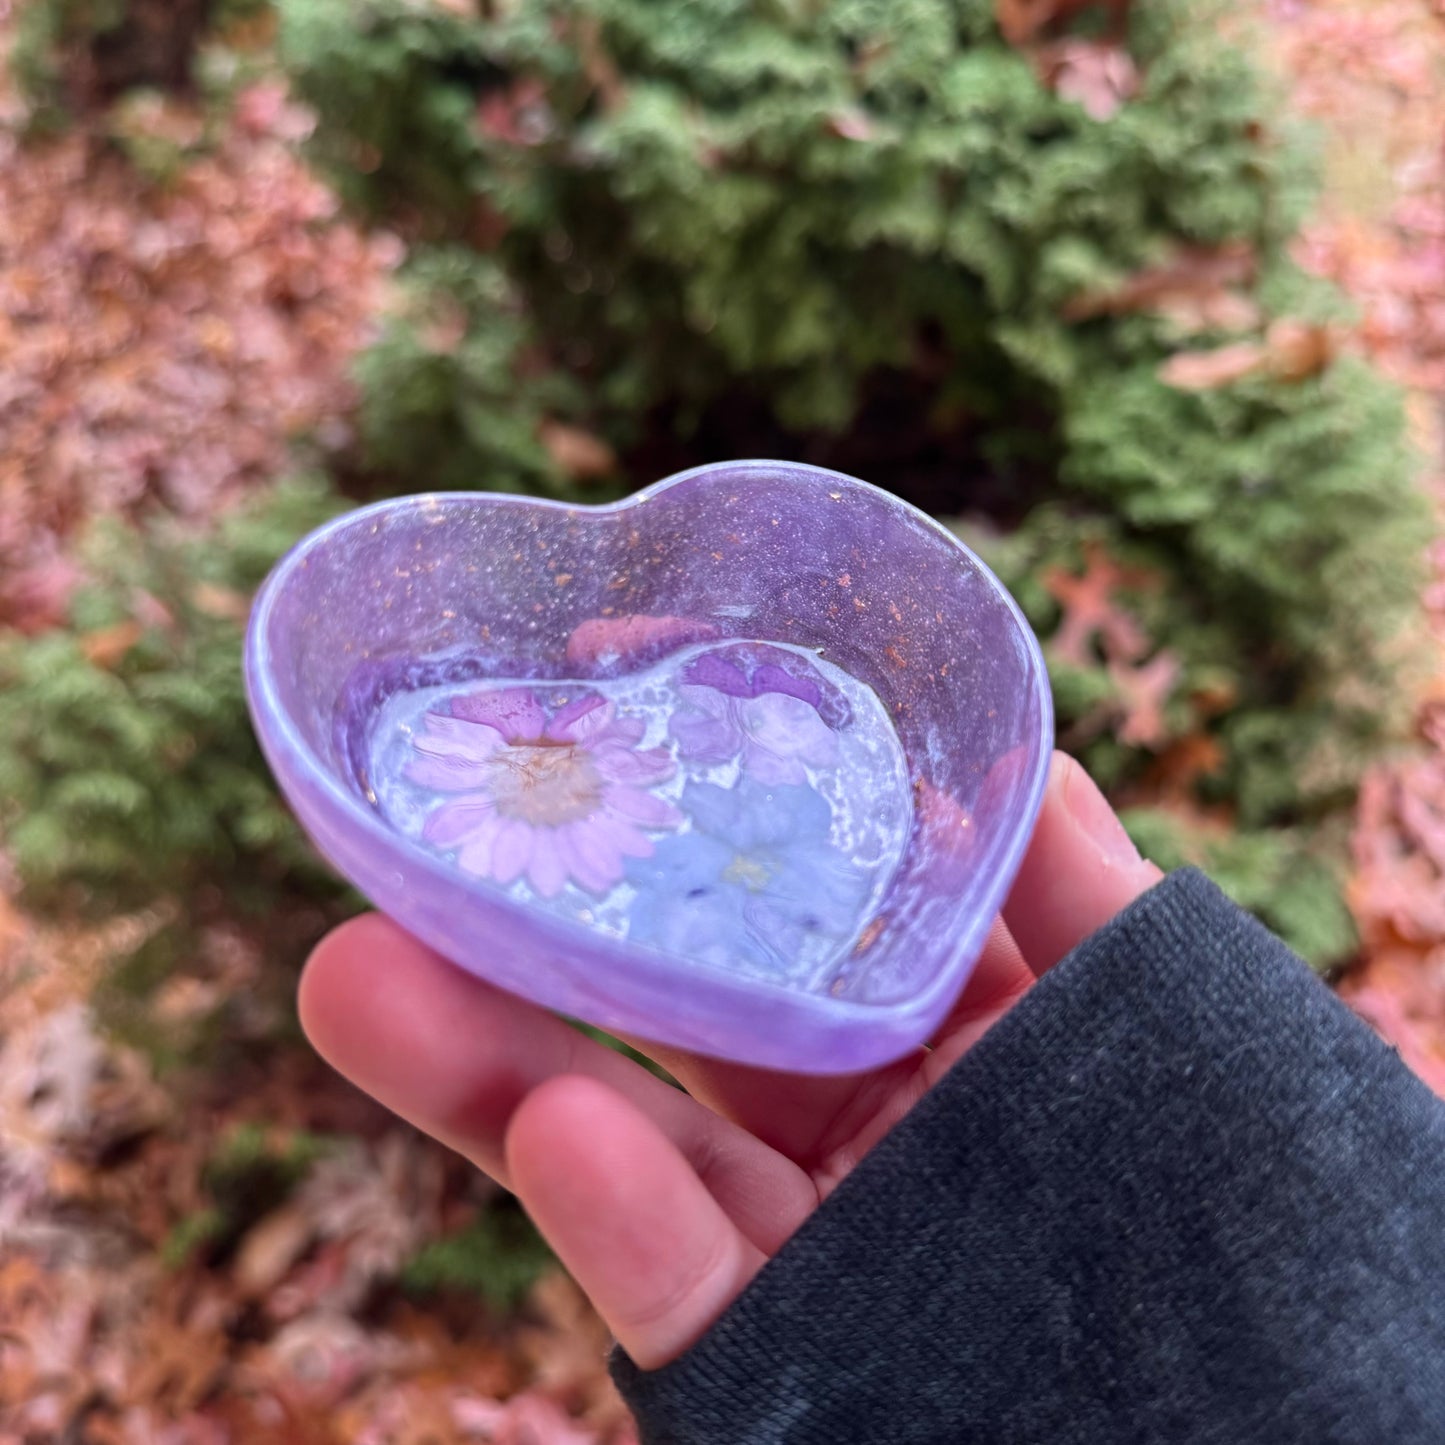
column 446, row 399
column 128, row 770
column 71, row 56
column 862, row 233
column 1283, row 875
column 250, row 1173
column 498, row 1256
column 735, row 232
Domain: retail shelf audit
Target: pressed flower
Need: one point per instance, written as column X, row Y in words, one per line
column 756, row 880
column 769, row 721
column 551, row 800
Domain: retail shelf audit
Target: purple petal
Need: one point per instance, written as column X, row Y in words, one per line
column 771, row 768
column 705, row 739
column 512, row 711
column 453, row 754
column 513, row 850
column 782, row 724
column 621, row 765
column 627, row 730
column 596, row 860
column 645, row 808
column 710, row 670
column 705, row 729
column 462, row 736
column 772, row 678
column 457, row 821
column 448, row 775
column 581, row 719
column 478, row 853
column 628, row 840
column 706, row 700
column 547, row 870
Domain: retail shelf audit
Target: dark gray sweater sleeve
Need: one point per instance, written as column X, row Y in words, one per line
column 1179, row 1194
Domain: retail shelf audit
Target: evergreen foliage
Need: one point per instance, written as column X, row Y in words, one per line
column 498, row 1256
column 249, row 1174
column 870, row 234
column 784, row 210
column 74, row 55
column 128, row 770
column 448, row 403
column 1283, row 875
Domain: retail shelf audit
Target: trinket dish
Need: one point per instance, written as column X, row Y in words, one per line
column 744, row 764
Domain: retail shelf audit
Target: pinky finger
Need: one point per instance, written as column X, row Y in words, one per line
column 627, row 1215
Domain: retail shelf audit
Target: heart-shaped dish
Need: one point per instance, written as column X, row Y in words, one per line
column 744, row 764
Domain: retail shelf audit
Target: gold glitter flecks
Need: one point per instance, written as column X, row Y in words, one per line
column 871, row 934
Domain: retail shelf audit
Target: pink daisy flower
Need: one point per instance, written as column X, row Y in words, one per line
column 549, row 800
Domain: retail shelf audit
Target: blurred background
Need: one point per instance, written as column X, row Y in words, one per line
column 1146, row 299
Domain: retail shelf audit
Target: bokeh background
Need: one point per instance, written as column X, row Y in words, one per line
column 1146, row 299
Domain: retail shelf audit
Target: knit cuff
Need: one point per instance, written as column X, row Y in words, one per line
column 1179, row 1192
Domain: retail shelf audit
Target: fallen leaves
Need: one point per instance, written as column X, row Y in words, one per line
column 516, row 114
column 579, row 454
column 1090, row 614
column 1290, row 351
column 281, row 1318
column 1395, row 276
column 106, row 646
column 294, row 1333
column 270, row 1249
column 1374, row 76
column 1094, row 625
column 1142, row 694
column 523, row 1420
column 1097, row 74
column 1098, row 77
column 1398, row 889
column 1199, row 288
column 1022, row 22
column 564, row 1350
column 1382, row 234
column 1402, row 996
column 179, row 1352
column 165, row 344
column 1173, row 779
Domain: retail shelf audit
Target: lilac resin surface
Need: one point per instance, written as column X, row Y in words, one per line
column 744, row 764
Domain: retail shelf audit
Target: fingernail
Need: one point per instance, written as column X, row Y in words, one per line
column 1093, row 816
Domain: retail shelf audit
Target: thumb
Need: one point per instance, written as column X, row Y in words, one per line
column 1080, row 870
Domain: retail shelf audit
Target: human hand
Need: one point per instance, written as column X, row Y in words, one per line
column 664, row 1204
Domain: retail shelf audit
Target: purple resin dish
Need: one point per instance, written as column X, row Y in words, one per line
column 744, row 764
